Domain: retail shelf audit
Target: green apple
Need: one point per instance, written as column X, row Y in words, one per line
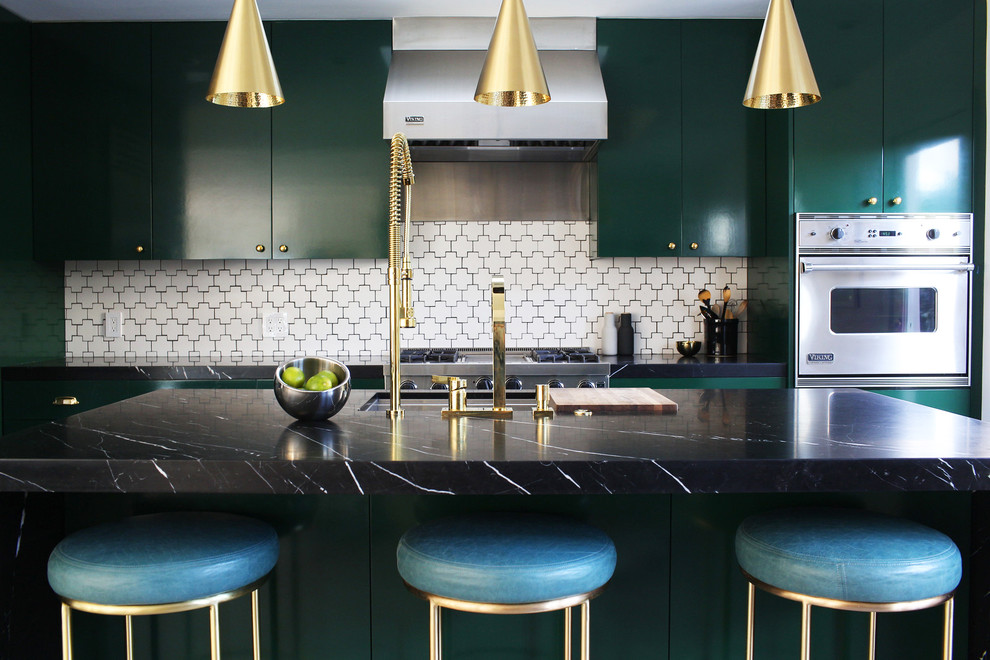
column 293, row 377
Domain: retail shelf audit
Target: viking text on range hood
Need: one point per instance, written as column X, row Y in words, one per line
column 431, row 82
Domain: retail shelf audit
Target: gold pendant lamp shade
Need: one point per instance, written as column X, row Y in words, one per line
column 512, row 75
column 245, row 76
column 781, row 75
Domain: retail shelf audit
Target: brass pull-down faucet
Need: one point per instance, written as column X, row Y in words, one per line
column 400, row 312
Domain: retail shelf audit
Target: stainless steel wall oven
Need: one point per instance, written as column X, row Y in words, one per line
column 884, row 299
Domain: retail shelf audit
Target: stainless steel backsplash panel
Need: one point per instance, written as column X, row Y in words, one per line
column 502, row 191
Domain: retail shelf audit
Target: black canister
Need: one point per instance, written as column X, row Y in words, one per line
column 721, row 336
column 625, row 343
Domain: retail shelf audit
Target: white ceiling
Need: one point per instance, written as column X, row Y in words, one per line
column 198, row 10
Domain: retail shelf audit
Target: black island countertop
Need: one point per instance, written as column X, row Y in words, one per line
column 719, row 441
column 259, row 367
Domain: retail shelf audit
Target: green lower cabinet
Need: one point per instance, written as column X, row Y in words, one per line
column 705, row 383
column 955, row 400
column 28, row 403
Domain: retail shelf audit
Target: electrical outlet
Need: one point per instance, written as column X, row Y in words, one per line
column 276, row 325
column 113, row 323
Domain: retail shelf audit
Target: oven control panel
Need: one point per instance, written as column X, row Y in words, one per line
column 916, row 232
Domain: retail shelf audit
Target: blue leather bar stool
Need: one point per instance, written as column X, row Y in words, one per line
column 162, row 563
column 847, row 559
column 507, row 563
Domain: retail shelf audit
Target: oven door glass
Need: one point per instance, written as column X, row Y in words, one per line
column 877, row 316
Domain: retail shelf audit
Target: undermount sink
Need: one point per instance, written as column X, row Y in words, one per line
column 437, row 400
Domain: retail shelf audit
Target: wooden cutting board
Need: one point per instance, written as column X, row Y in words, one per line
column 611, row 400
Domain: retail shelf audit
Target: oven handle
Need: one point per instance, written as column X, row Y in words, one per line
column 807, row 267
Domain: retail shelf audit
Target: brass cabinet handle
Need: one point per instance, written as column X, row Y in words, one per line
column 694, row 246
column 671, row 246
column 65, row 401
column 872, row 201
column 260, row 248
column 140, row 248
column 896, row 201
column 283, row 248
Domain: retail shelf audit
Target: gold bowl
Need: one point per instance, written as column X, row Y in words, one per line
column 688, row 347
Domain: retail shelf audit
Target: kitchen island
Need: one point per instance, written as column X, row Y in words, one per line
column 676, row 486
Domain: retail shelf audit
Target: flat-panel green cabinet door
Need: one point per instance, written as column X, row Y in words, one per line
column 329, row 161
column 639, row 165
column 838, row 142
column 928, row 105
column 212, row 176
column 92, row 140
column 723, row 142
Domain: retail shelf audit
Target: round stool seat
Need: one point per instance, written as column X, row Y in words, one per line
column 505, row 558
column 162, row 558
column 846, row 554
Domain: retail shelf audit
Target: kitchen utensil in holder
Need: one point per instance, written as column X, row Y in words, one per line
column 721, row 336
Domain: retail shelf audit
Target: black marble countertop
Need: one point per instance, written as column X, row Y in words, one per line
column 252, row 367
column 719, row 441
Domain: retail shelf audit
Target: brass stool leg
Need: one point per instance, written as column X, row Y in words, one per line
column 255, row 629
column 750, row 620
column 585, row 630
column 873, row 636
column 567, row 634
column 435, row 648
column 66, row 632
column 129, row 635
column 947, row 634
column 805, row 631
column 214, row 632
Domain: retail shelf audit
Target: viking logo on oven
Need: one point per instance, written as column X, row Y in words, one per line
column 821, row 357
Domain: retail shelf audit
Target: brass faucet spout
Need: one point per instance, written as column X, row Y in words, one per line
column 498, row 342
column 399, row 273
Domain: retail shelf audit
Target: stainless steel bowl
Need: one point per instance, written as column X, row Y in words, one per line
column 687, row 347
column 307, row 405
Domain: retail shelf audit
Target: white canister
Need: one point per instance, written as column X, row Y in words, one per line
column 610, row 335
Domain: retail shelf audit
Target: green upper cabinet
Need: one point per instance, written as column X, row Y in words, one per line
column 682, row 172
column 928, row 105
column 896, row 117
column 91, row 134
column 639, row 165
column 723, row 142
column 329, row 161
column 212, row 164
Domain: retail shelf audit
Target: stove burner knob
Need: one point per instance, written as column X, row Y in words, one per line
column 587, row 383
column 439, row 386
column 513, row 383
column 484, row 384
column 932, row 234
column 555, row 383
column 837, row 233
column 408, row 385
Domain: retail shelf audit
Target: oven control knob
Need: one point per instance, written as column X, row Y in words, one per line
column 837, row 233
column 932, row 234
column 555, row 383
column 484, row 384
column 408, row 385
column 439, row 386
column 513, row 383
column 587, row 383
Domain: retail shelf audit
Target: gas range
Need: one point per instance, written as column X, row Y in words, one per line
column 525, row 368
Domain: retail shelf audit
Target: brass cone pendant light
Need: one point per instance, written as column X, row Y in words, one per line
column 781, row 75
column 245, row 76
column 512, row 75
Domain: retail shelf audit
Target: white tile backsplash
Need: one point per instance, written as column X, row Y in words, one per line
column 556, row 295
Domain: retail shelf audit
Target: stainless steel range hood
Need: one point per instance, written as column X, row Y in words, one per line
column 430, row 93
